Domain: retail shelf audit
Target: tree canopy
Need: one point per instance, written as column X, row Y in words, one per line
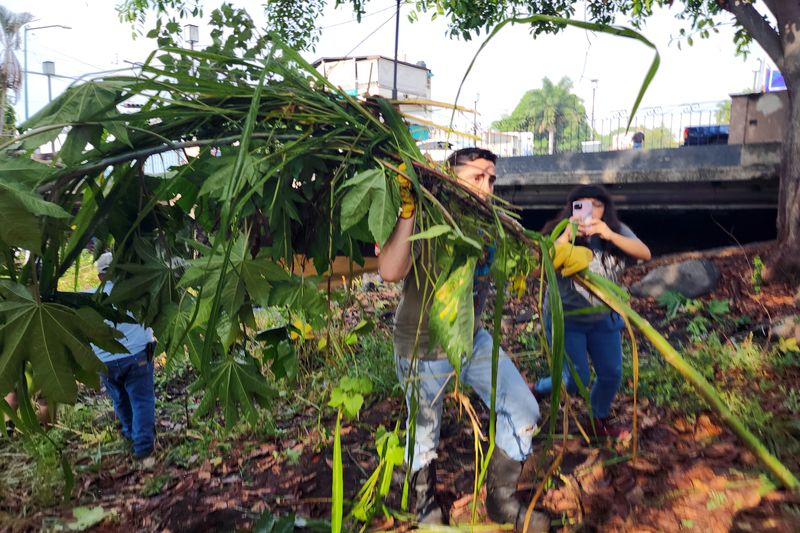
column 552, row 110
column 10, row 71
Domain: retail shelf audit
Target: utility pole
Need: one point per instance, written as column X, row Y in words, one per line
column 25, row 57
column 396, row 42
column 594, row 90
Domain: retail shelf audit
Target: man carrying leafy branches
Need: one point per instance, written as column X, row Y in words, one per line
column 129, row 380
column 425, row 369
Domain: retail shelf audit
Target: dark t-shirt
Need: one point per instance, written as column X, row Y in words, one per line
column 575, row 297
column 419, row 285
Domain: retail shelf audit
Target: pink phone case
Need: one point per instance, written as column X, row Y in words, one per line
column 583, row 210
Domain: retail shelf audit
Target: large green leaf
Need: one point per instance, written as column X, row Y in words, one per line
column 175, row 323
column 368, row 191
column 356, row 201
column 384, row 205
column 22, row 170
column 243, row 276
column 148, row 286
column 452, row 316
column 221, row 172
column 278, row 349
column 20, row 215
column 55, row 339
column 238, row 386
column 77, row 140
column 266, row 283
column 77, row 104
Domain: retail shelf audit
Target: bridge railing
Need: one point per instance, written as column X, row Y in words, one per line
column 575, row 131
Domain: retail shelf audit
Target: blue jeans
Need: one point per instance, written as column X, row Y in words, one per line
column 129, row 382
column 516, row 408
column 602, row 340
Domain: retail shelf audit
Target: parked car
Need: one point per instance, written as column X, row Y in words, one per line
column 437, row 150
column 696, row 135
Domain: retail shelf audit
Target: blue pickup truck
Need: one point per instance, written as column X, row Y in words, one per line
column 696, row 135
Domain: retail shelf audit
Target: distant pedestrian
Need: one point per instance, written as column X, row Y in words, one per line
column 591, row 329
column 43, row 413
column 638, row 140
column 129, row 380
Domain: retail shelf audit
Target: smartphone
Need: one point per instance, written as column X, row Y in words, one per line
column 582, row 210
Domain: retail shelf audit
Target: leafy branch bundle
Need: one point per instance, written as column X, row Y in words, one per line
column 279, row 164
column 284, row 166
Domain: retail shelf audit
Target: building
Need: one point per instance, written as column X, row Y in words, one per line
column 374, row 76
column 508, row 143
column 758, row 117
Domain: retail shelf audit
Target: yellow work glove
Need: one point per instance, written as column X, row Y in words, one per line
column 408, row 205
column 571, row 259
column 518, row 285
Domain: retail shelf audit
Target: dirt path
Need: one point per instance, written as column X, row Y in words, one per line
column 690, row 473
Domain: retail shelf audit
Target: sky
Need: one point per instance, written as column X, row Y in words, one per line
column 512, row 63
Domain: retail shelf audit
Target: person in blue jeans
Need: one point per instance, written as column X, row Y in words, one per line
column 129, row 380
column 424, row 370
column 591, row 329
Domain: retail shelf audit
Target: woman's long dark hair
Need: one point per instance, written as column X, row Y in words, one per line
column 610, row 217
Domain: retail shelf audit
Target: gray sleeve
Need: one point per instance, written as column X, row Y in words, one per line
column 625, row 231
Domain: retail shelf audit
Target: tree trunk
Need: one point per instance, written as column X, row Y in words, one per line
column 3, row 98
column 786, row 264
column 551, row 141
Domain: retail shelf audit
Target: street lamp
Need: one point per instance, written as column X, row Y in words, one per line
column 475, row 115
column 49, row 70
column 191, row 34
column 594, row 90
column 756, row 72
column 25, row 55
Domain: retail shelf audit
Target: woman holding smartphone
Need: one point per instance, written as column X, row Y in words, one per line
column 591, row 329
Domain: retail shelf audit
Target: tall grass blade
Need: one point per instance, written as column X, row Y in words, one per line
column 703, row 388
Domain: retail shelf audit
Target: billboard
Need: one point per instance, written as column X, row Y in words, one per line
column 774, row 81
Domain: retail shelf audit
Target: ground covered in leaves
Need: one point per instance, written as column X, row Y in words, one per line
column 690, row 473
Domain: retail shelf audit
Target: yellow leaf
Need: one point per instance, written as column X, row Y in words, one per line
column 788, row 345
column 302, row 331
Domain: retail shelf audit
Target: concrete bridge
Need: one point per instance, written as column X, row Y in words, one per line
column 733, row 176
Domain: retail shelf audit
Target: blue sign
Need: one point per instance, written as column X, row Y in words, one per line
column 774, row 81
column 420, row 133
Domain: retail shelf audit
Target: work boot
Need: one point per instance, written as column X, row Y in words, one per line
column 428, row 509
column 607, row 429
column 502, row 504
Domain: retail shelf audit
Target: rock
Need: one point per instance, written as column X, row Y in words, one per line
column 524, row 316
column 787, row 327
column 691, row 278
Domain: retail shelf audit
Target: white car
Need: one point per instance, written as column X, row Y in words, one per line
column 437, row 150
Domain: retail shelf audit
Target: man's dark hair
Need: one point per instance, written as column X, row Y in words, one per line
column 465, row 155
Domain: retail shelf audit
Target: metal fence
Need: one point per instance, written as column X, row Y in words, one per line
column 662, row 126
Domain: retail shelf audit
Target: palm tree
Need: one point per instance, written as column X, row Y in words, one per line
column 552, row 109
column 10, row 72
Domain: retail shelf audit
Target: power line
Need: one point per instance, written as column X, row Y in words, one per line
column 351, row 21
column 373, row 32
column 69, row 57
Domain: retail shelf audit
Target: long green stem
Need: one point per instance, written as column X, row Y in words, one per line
column 701, row 386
